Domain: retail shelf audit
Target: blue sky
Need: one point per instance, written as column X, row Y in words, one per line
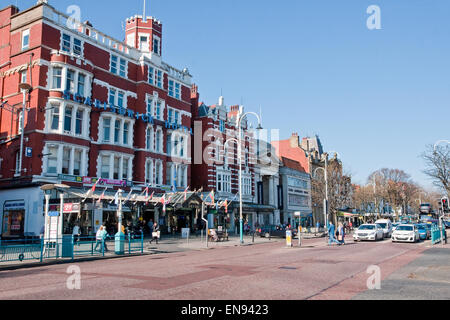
column 377, row 97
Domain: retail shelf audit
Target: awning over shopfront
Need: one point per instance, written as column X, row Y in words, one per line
column 174, row 200
column 251, row 207
column 347, row 214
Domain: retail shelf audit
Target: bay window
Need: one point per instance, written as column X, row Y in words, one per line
column 117, row 131
column 70, row 80
column 106, row 129
column 81, row 84
column 66, row 161
column 126, row 163
column 62, row 158
column 68, row 119
column 79, row 122
column 52, row 161
column 115, row 166
column 77, row 163
column 105, row 167
column 125, row 132
column 54, row 117
column 57, row 78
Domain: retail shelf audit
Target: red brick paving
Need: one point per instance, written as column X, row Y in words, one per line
column 260, row 272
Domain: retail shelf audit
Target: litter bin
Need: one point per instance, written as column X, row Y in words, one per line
column 67, row 246
column 120, row 243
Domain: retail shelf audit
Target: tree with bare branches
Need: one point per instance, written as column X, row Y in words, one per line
column 437, row 161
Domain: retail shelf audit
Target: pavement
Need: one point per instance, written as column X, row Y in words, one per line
column 168, row 244
column 265, row 270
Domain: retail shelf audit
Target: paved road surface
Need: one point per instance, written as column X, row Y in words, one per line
column 258, row 272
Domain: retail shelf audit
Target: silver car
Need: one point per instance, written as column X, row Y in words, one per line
column 406, row 233
column 372, row 232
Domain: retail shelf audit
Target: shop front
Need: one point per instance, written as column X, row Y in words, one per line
column 21, row 213
column 13, row 219
column 254, row 215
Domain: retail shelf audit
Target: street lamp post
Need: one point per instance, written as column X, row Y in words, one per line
column 119, row 237
column 239, row 143
column 25, row 87
column 325, row 204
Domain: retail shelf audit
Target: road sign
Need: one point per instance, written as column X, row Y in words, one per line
column 53, row 213
column 28, row 152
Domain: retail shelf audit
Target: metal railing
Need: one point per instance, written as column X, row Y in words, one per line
column 67, row 247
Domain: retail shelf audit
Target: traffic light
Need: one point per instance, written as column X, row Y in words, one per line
column 445, row 205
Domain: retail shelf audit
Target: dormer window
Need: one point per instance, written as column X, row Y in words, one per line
column 71, row 45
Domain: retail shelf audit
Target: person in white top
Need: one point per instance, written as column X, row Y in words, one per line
column 76, row 233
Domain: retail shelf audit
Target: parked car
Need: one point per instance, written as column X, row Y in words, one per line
column 372, row 232
column 386, row 225
column 406, row 233
column 423, row 232
column 274, row 232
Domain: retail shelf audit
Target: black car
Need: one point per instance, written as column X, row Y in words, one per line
column 274, row 232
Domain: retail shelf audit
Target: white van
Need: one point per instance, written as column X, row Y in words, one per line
column 386, row 225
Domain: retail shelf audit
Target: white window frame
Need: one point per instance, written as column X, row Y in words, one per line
column 111, row 156
column 117, row 92
column 25, row 35
column 72, row 45
column 121, row 68
column 112, row 133
column 58, row 157
column 61, row 105
column 64, row 72
column 158, row 39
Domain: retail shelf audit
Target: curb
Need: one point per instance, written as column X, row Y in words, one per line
column 68, row 261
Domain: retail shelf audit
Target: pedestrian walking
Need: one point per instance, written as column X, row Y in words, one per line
column 341, row 234
column 155, row 233
column 101, row 237
column 317, row 227
column 150, row 226
column 76, row 233
column 98, row 238
column 331, row 234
